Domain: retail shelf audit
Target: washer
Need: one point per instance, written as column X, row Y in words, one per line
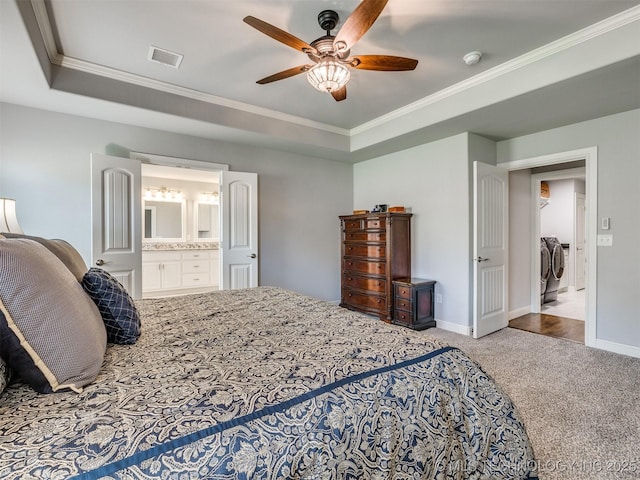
column 557, row 269
column 545, row 268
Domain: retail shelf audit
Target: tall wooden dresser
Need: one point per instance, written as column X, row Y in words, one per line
column 376, row 249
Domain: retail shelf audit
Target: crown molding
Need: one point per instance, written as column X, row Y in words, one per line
column 593, row 31
column 56, row 58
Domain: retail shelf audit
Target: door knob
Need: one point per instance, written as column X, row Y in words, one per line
column 100, row 262
column 253, row 255
column 481, row 259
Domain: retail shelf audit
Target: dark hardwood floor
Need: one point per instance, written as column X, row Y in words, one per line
column 551, row 326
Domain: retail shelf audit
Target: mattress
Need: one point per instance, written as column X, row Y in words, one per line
column 265, row 383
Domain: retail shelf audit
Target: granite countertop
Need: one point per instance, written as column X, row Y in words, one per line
column 180, row 246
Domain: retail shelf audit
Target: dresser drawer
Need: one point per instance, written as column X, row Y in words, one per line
column 196, row 255
column 403, row 292
column 364, row 301
column 365, row 236
column 374, row 223
column 403, row 317
column 365, row 283
column 363, row 266
column 403, row 304
column 195, row 266
column 195, row 279
column 350, row 225
column 376, row 251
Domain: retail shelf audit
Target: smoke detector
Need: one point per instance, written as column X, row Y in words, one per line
column 165, row 57
column 472, row 58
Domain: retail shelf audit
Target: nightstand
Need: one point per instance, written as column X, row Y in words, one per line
column 413, row 303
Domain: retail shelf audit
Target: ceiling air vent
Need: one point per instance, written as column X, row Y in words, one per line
column 165, row 57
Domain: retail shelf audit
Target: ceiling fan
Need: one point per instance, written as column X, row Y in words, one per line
column 330, row 54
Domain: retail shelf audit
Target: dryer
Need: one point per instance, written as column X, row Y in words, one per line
column 556, row 269
column 545, row 268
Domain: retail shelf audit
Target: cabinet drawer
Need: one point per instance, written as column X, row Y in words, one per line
column 374, row 223
column 363, row 266
column 353, row 225
column 195, row 266
column 365, row 236
column 365, row 283
column 197, row 255
column 364, row 301
column 377, row 251
column 402, row 316
column 403, row 304
column 160, row 256
column 403, row 292
column 195, row 279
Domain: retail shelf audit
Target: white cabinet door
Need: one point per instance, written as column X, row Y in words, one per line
column 214, row 269
column 171, row 274
column 151, row 276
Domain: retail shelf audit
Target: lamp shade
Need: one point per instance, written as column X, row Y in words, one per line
column 8, row 220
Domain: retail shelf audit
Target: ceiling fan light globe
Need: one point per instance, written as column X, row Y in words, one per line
column 328, row 76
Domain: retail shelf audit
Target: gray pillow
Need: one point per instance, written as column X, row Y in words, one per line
column 61, row 249
column 51, row 333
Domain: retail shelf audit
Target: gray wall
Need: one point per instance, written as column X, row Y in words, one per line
column 520, row 233
column 618, row 269
column 433, row 181
column 45, row 166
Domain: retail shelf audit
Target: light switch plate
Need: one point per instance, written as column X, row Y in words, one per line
column 605, row 223
column 605, row 240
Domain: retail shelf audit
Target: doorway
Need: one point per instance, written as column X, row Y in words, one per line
column 531, row 310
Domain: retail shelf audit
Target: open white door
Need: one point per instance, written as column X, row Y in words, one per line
column 580, row 243
column 115, row 215
column 239, row 233
column 490, row 249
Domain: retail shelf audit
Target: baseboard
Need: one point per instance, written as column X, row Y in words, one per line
column 454, row 327
column 614, row 347
column 518, row 312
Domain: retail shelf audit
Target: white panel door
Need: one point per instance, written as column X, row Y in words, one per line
column 116, row 206
column 239, row 242
column 490, row 249
column 580, row 236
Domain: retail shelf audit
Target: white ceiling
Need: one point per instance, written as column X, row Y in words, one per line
column 535, row 61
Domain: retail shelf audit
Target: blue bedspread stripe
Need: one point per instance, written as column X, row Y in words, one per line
column 139, row 457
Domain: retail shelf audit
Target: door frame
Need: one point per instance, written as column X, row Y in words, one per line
column 536, row 179
column 590, row 156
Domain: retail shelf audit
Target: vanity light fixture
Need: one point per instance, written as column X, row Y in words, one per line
column 209, row 197
column 8, row 219
column 162, row 193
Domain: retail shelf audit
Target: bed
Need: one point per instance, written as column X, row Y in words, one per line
column 265, row 383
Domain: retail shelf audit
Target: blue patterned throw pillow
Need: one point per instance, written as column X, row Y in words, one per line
column 5, row 373
column 118, row 311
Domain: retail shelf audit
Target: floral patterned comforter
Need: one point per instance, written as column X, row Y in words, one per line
column 265, row 383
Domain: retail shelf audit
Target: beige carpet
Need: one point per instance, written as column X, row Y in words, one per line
column 581, row 406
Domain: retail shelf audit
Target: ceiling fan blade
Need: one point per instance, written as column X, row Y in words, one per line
column 340, row 94
column 358, row 23
column 279, row 35
column 384, row 63
column 285, row 74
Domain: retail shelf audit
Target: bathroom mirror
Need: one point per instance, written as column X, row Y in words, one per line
column 206, row 221
column 164, row 220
